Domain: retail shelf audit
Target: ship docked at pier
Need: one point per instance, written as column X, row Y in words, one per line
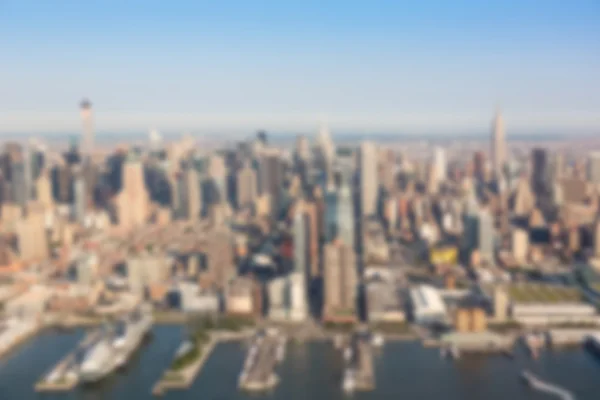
column 115, row 347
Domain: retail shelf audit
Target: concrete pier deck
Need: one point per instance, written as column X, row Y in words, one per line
column 63, row 376
column 258, row 373
column 181, row 380
column 10, row 341
column 364, row 378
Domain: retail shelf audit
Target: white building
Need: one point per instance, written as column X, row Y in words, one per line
column 298, row 301
column 278, row 307
column 427, row 303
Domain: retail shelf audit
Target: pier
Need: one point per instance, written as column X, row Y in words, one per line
column 64, row 375
column 183, row 379
column 359, row 372
column 545, row 387
column 258, row 373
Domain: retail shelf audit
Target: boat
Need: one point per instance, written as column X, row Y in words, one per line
column 378, row 340
column 114, row 349
column 347, row 354
column 99, row 361
column 281, row 351
column 349, row 383
column 133, row 330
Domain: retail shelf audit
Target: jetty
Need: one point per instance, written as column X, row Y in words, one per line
column 64, row 375
column 258, row 373
column 546, row 387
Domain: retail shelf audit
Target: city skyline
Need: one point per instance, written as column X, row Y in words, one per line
column 385, row 67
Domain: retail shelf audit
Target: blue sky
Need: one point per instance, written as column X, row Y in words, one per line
column 393, row 66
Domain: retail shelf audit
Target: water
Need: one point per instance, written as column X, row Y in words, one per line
column 404, row 370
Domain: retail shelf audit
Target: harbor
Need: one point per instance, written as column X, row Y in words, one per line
column 258, row 373
column 309, row 370
column 358, row 372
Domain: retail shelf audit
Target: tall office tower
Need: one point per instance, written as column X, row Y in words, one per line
column 88, row 127
column 43, row 189
column 433, row 180
column 79, row 197
column 133, row 201
column 594, row 168
column 558, row 166
column 302, row 148
column 271, row 178
column 440, row 163
column 18, row 180
column 194, row 197
column 301, row 242
column 326, row 148
column 498, row 150
column 340, row 280
column 331, row 212
column 520, row 245
column 31, row 234
column 479, row 166
column 369, row 186
column 524, row 200
column 27, row 173
column 539, row 175
column 298, row 310
column 220, row 256
column 217, row 171
column 247, row 186
column 345, row 214
column 155, row 140
column 486, row 235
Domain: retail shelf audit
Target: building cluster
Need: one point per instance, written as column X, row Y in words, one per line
column 444, row 234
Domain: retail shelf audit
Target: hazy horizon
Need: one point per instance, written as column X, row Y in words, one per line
column 234, row 66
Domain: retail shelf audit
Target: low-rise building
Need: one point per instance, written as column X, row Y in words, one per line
column 427, row 304
column 384, row 302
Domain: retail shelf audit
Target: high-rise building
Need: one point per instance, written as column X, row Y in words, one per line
column 88, row 127
column 520, row 245
column 486, row 235
column 80, row 197
column 133, row 201
column 498, row 150
column 217, row 171
column 594, row 168
column 247, row 186
column 340, row 280
column 298, row 296
column 302, row 148
column 597, row 239
column 194, row 198
column 540, row 172
column 301, row 245
column 331, row 213
column 369, row 186
column 440, row 164
column 345, row 214
column 31, row 234
column 43, row 189
column 271, row 178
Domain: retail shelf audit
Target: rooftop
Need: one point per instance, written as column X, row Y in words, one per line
column 543, row 293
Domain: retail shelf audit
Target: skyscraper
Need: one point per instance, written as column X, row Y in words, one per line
column 369, row 186
column 440, row 164
column 247, row 186
column 194, row 198
column 88, row 128
column 340, row 280
column 594, row 168
column 217, row 171
column 331, row 213
column 345, row 212
column 80, row 197
column 133, row 201
column 271, row 178
column 540, row 173
column 498, row 150
column 485, row 235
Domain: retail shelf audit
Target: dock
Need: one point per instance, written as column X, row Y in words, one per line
column 63, row 376
column 545, row 387
column 258, row 373
column 364, row 378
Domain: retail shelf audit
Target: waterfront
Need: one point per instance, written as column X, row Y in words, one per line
column 310, row 371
